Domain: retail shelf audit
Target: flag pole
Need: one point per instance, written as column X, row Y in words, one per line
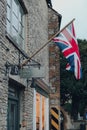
column 25, row 62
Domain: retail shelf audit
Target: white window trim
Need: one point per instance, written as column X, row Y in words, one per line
column 34, row 110
column 47, row 114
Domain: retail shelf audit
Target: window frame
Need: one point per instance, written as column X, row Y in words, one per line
column 22, row 7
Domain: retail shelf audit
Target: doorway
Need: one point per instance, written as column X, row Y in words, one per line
column 13, row 109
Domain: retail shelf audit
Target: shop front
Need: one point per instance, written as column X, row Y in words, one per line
column 40, row 106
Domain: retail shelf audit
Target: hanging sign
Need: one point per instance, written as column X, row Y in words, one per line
column 32, row 72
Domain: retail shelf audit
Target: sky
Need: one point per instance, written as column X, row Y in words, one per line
column 70, row 9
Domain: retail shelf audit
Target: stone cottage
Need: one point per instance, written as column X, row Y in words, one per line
column 26, row 102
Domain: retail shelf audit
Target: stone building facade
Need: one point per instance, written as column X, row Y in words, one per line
column 24, row 102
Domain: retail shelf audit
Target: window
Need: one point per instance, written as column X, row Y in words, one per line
column 40, row 112
column 15, row 21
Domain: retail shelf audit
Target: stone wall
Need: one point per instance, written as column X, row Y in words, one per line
column 54, row 63
column 38, row 32
column 3, row 78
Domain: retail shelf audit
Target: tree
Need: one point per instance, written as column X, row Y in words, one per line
column 74, row 92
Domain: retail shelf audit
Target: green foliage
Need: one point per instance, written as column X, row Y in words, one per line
column 72, row 89
column 68, row 107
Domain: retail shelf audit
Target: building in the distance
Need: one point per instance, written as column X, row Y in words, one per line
column 26, row 102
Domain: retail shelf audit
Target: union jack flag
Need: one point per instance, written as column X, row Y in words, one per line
column 68, row 44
